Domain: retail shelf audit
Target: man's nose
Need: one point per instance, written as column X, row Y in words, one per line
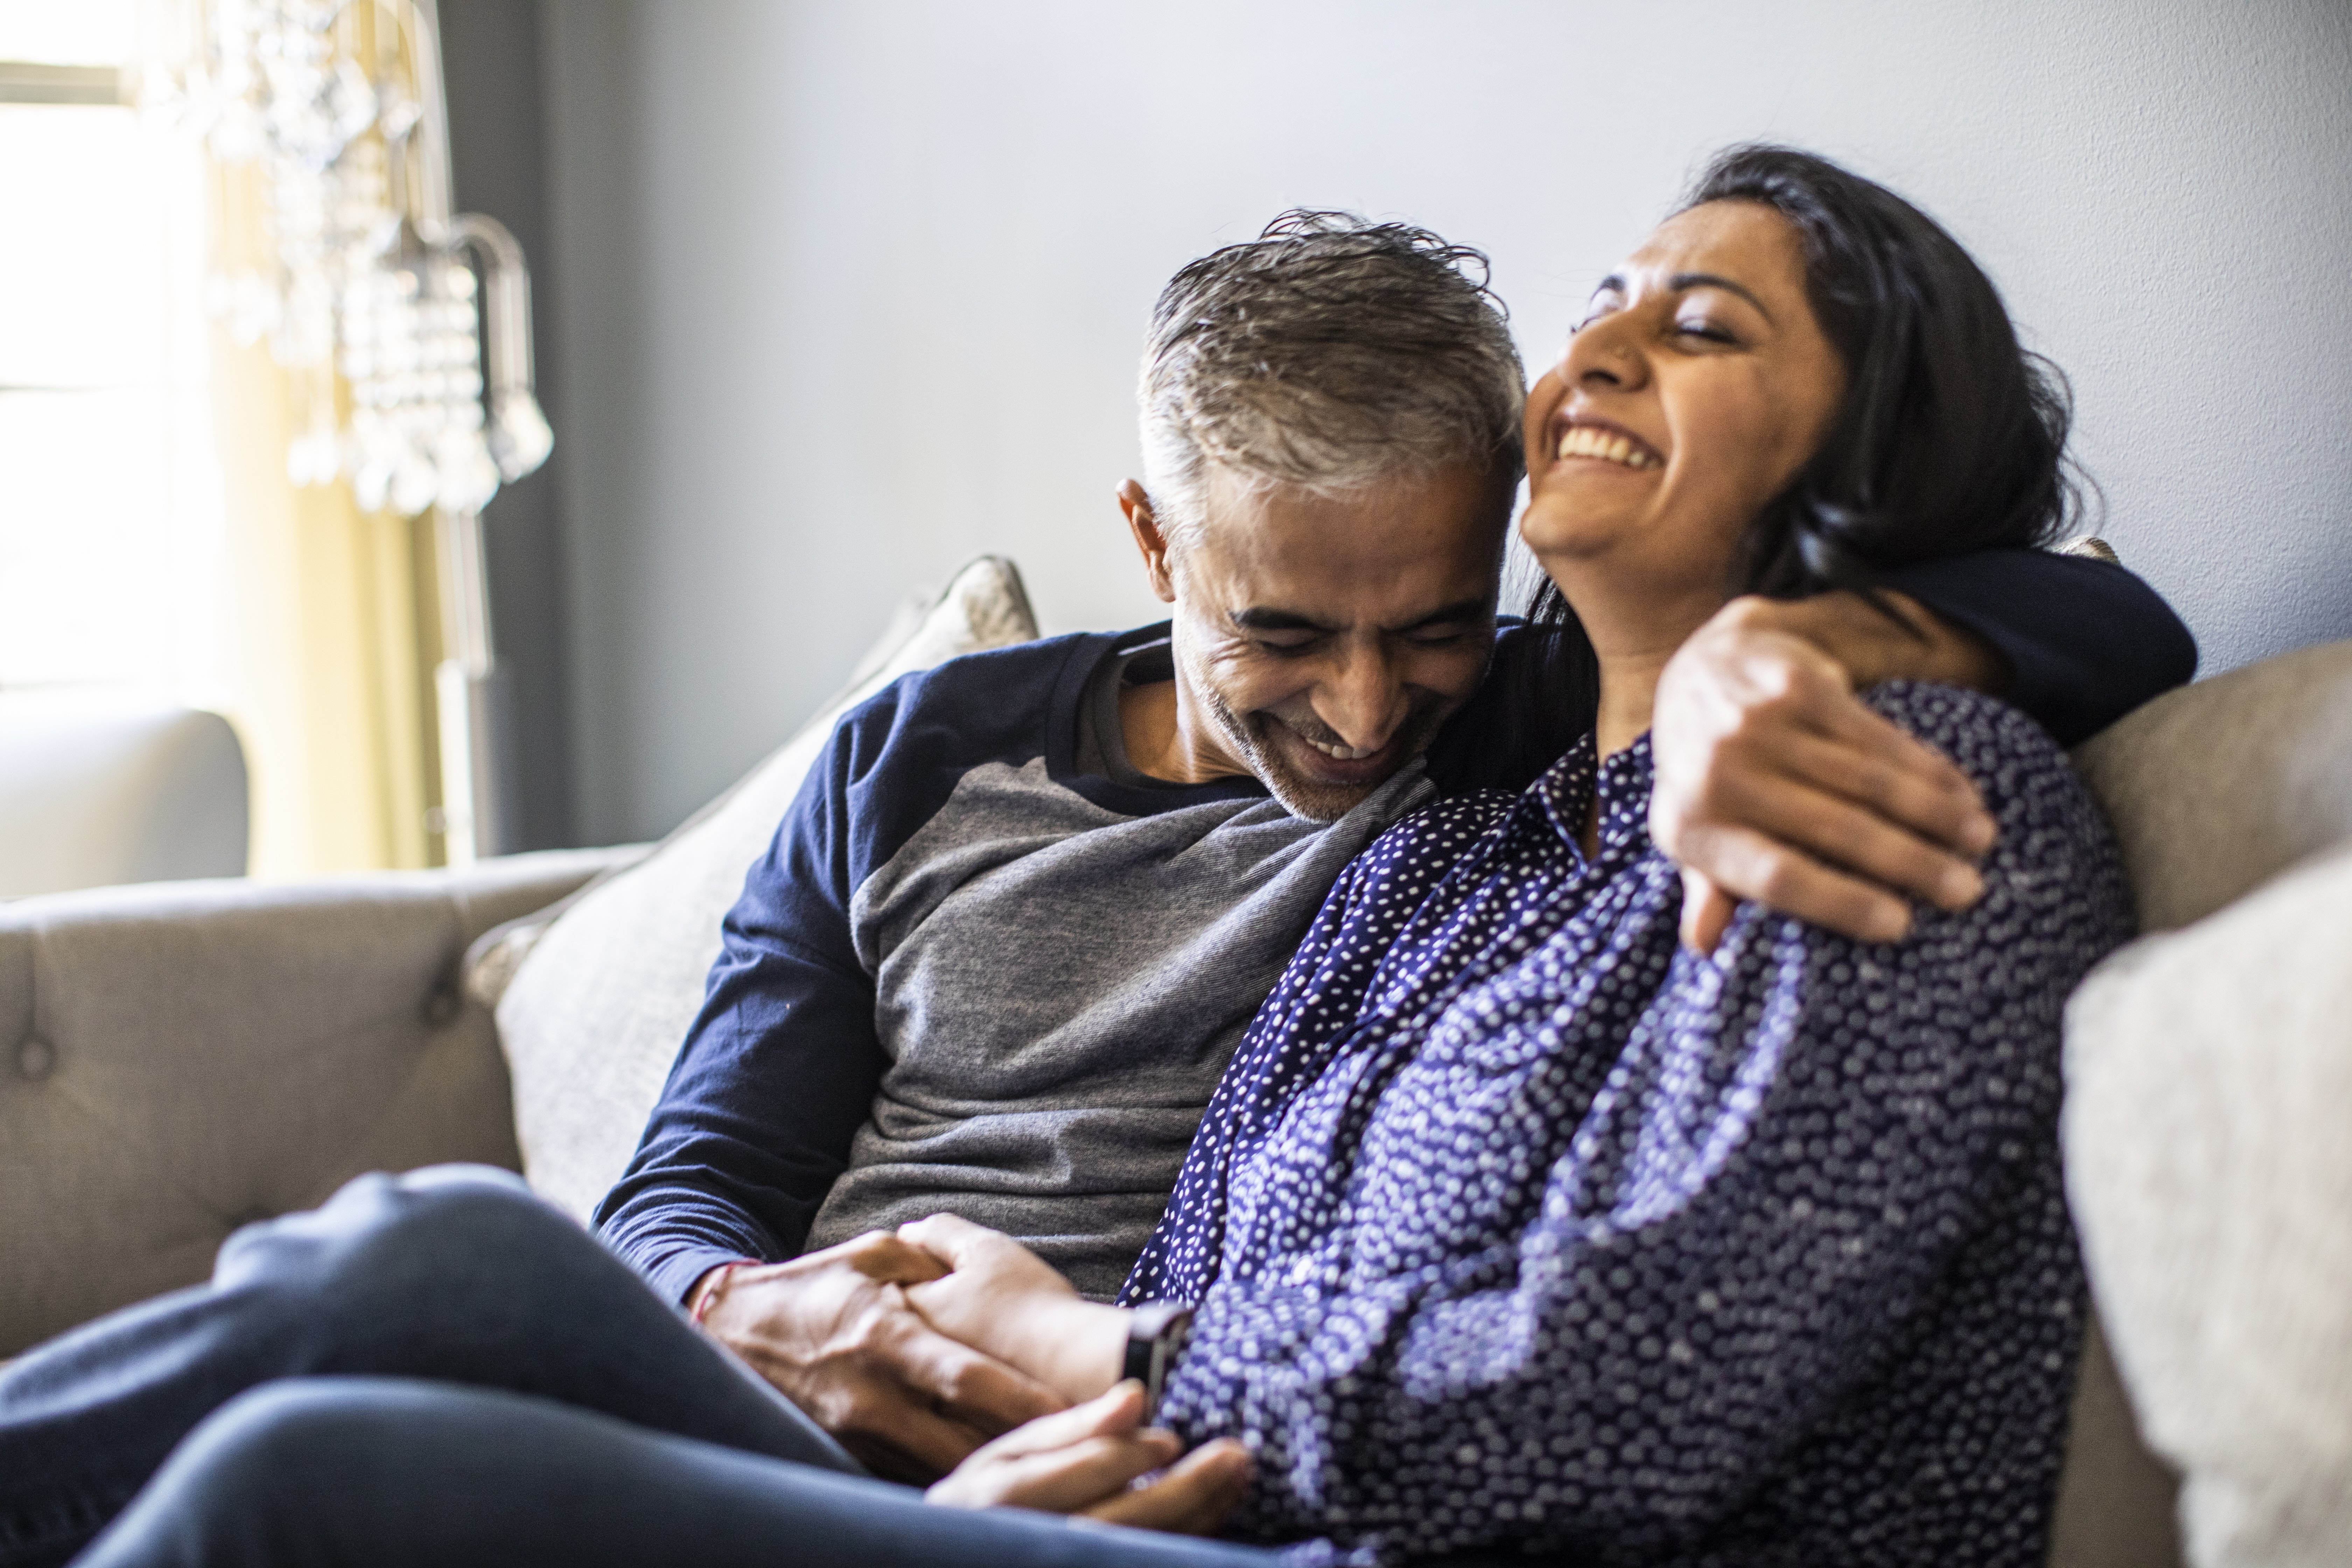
column 1362, row 700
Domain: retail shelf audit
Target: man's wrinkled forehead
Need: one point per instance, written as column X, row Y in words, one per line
column 1400, row 551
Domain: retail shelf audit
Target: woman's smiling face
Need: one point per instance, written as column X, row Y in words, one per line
column 1697, row 388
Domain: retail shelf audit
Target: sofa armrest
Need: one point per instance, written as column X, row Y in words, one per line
column 179, row 1059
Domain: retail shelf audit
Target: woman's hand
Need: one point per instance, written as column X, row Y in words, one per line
column 1005, row 1302
column 1085, row 1460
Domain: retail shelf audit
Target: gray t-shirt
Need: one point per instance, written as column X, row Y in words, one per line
column 987, row 968
column 1058, row 987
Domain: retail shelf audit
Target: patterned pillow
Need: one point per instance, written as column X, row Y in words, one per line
column 594, row 997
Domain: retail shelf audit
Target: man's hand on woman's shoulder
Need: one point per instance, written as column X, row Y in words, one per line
column 1776, row 784
column 833, row 1330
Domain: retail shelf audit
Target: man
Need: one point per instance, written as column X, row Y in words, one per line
column 1008, row 936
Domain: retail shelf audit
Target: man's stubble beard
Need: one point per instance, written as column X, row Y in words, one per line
column 1305, row 797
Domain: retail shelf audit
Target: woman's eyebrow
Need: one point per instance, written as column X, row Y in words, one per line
column 1681, row 280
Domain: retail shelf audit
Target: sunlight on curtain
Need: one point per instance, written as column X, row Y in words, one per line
column 331, row 635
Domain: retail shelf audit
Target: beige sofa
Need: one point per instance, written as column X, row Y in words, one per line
column 96, row 790
column 177, row 1060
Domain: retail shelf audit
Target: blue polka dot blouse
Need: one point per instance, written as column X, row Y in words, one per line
column 1517, row 1228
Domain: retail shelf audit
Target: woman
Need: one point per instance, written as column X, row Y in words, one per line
column 1515, row 1227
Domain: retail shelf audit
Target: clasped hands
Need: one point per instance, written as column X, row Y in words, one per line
column 948, row 1347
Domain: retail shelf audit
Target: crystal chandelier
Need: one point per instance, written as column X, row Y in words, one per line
column 372, row 274
column 374, row 281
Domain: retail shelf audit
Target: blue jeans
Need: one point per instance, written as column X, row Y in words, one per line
column 394, row 1472
column 454, row 1275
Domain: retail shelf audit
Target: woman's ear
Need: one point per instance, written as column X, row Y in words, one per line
column 1149, row 539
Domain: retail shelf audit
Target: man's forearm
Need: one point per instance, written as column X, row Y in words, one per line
column 2086, row 642
column 1874, row 647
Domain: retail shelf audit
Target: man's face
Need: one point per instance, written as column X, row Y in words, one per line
column 1319, row 644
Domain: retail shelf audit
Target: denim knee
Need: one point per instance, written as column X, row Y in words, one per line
column 452, row 1232
column 245, row 1483
column 276, row 1442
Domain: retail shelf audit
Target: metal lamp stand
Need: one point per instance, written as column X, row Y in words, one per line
column 474, row 702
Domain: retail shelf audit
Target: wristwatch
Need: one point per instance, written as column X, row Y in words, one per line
column 1155, row 1332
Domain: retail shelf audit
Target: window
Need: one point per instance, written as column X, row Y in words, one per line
column 109, row 511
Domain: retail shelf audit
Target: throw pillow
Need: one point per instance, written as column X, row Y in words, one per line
column 593, row 1004
column 2208, row 1076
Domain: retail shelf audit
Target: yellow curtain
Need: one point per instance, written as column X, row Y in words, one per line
column 332, row 631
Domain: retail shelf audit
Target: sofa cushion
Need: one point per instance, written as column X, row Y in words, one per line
column 2217, row 787
column 2208, row 1087
column 180, row 1058
column 600, row 997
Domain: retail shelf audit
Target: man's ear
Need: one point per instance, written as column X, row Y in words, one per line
column 1149, row 539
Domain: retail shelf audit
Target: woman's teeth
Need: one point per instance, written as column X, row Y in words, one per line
column 1585, row 441
column 1344, row 753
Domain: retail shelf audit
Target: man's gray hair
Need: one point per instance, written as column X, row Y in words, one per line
column 1327, row 355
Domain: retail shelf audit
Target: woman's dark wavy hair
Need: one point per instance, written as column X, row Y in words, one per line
column 1951, row 437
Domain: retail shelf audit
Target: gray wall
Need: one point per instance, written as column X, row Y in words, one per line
column 849, row 293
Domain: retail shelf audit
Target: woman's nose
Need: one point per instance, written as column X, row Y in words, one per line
column 1604, row 353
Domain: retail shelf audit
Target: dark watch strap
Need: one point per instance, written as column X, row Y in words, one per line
column 1154, row 1334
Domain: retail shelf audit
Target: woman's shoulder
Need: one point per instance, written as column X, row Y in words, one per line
column 2050, row 825
column 1991, row 740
